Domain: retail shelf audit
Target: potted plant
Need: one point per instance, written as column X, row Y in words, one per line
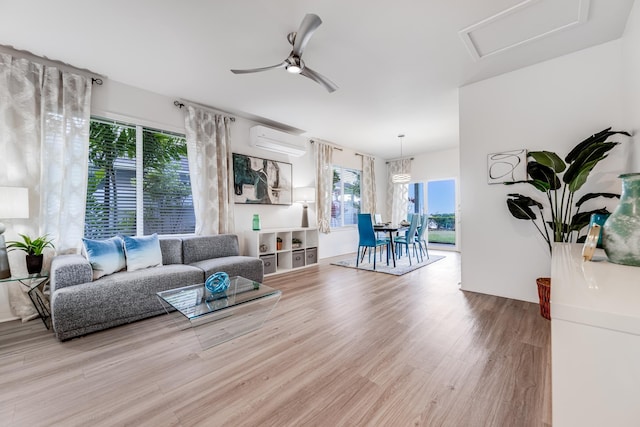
column 34, row 249
column 559, row 181
column 296, row 243
column 279, row 243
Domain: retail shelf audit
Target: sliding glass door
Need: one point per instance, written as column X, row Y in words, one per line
column 441, row 207
column 437, row 199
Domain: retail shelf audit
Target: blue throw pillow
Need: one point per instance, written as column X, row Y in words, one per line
column 142, row 252
column 105, row 256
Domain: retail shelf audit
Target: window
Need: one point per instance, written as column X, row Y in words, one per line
column 345, row 200
column 138, row 182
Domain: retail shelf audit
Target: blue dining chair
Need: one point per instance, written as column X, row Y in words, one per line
column 367, row 239
column 409, row 239
column 420, row 236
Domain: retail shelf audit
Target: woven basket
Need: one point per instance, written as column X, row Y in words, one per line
column 544, row 293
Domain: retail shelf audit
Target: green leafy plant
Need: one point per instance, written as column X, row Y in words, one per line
column 296, row 240
column 559, row 180
column 31, row 247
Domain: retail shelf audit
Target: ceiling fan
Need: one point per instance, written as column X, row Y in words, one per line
column 294, row 63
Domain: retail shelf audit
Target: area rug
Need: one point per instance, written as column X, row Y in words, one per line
column 402, row 265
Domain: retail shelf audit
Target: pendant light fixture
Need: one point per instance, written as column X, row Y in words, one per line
column 400, row 178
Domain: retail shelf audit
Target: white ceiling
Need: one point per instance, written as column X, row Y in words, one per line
column 397, row 64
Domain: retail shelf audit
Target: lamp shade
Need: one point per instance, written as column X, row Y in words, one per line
column 14, row 202
column 304, row 194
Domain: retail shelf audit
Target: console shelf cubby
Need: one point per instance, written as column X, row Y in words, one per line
column 283, row 249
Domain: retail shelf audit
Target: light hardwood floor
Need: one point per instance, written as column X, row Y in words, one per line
column 342, row 347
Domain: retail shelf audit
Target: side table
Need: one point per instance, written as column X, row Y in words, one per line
column 36, row 285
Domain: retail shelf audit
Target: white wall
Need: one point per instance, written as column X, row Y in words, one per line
column 631, row 79
column 119, row 101
column 436, row 165
column 552, row 106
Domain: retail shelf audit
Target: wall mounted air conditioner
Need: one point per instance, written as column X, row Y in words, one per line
column 277, row 141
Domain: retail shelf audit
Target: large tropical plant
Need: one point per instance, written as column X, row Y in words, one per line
column 560, row 180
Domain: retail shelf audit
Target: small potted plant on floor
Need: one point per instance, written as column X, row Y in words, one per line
column 34, row 249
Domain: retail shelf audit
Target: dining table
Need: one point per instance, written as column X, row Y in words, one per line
column 390, row 229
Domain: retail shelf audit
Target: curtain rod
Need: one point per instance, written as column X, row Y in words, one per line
column 332, row 146
column 25, row 54
column 182, row 104
column 394, row 160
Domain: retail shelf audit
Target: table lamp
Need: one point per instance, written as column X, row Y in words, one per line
column 14, row 203
column 304, row 195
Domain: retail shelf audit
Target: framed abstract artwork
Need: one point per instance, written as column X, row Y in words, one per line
column 507, row 166
column 261, row 181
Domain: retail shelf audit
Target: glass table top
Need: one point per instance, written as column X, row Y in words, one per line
column 195, row 300
column 41, row 275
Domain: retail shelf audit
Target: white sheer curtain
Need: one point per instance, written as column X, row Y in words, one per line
column 210, row 168
column 66, row 105
column 44, row 128
column 20, row 91
column 324, row 180
column 368, row 185
column 397, row 194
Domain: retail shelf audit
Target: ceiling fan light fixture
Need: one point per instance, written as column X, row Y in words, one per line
column 294, row 64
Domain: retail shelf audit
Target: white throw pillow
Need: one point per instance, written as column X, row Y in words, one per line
column 106, row 256
column 142, row 252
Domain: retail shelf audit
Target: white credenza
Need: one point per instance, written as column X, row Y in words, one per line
column 595, row 340
column 298, row 248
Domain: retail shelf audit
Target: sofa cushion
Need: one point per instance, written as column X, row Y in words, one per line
column 198, row 248
column 171, row 248
column 106, row 256
column 248, row 267
column 142, row 252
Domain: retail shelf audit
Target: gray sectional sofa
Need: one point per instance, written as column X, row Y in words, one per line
column 80, row 305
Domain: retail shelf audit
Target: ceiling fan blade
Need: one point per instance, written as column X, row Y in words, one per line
column 319, row 78
column 256, row 70
column 309, row 24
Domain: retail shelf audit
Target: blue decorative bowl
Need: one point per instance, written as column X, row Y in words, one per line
column 217, row 282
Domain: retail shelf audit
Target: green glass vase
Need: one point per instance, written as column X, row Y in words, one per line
column 256, row 222
column 621, row 232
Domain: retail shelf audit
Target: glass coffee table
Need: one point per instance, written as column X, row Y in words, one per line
column 222, row 316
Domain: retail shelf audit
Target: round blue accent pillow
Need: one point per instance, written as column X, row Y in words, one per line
column 217, row 282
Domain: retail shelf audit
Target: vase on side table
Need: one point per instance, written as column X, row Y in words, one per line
column 621, row 232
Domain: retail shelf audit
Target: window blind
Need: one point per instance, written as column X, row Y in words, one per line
column 111, row 192
column 113, row 206
column 168, row 203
